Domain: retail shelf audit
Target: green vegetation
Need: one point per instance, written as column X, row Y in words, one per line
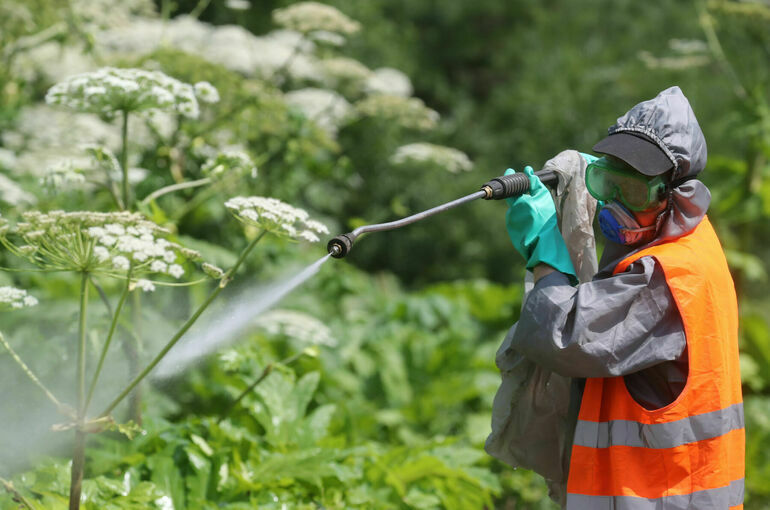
column 370, row 386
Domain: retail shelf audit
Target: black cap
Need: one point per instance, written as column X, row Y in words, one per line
column 637, row 150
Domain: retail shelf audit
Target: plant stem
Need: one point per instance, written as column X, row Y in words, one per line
column 29, row 373
column 79, row 450
column 175, row 187
column 132, row 348
column 107, row 342
column 78, row 466
column 17, row 496
column 81, row 368
column 124, row 159
column 228, row 275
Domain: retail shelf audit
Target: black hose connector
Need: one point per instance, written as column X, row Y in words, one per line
column 514, row 185
column 340, row 246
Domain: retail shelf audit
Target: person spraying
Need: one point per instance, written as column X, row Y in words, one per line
column 652, row 412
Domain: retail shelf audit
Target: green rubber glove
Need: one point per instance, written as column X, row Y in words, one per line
column 590, row 158
column 532, row 227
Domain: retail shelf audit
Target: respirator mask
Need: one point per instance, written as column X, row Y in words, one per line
column 624, row 190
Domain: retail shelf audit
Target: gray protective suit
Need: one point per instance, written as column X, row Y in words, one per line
column 623, row 325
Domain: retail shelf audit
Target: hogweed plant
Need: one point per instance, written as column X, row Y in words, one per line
column 112, row 92
column 127, row 247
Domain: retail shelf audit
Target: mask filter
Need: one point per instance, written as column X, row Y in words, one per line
column 619, row 226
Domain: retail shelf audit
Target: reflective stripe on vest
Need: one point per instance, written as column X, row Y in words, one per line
column 722, row 497
column 659, row 435
column 690, row 453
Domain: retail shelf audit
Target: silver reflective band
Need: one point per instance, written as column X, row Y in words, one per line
column 721, row 498
column 660, row 435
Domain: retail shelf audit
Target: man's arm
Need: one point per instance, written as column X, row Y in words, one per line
column 609, row 327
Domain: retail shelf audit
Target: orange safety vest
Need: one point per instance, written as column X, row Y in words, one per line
column 690, row 453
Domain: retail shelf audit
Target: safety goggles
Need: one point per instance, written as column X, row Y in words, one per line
column 607, row 180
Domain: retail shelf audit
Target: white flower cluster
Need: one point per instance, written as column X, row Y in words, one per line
column 448, row 158
column 343, row 72
column 228, row 161
column 13, row 298
column 303, row 328
column 238, row 5
column 206, row 92
column 386, row 80
column 110, row 90
column 106, row 13
column 107, row 243
column 63, row 174
column 328, row 109
column 12, row 193
column 230, row 46
column 408, row 112
column 276, row 217
column 312, row 16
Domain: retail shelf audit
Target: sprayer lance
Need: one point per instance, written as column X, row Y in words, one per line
column 505, row 186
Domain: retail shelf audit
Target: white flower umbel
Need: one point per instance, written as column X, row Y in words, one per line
column 326, row 108
column 206, row 92
column 63, row 175
column 344, row 72
column 104, row 243
column 311, row 16
column 110, row 90
column 13, row 298
column 279, row 218
column 303, row 328
column 408, row 112
column 229, row 161
column 386, row 80
column 448, row 158
column 323, row 37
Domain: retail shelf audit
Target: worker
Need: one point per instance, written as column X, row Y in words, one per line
column 651, row 343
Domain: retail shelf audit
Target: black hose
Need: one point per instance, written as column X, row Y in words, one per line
column 505, row 186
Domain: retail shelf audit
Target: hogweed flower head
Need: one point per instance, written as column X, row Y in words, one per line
column 63, row 174
column 313, row 16
column 343, row 69
column 328, row 109
column 113, row 244
column 276, row 217
column 206, row 92
column 228, row 161
column 409, row 112
column 448, row 158
column 109, row 90
column 387, row 80
column 12, row 298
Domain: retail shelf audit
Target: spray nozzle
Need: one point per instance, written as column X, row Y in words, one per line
column 339, row 246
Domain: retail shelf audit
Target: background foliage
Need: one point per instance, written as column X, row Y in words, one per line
column 394, row 411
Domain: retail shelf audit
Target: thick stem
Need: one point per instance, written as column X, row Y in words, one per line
column 107, row 342
column 124, row 159
column 132, row 349
column 81, row 368
column 187, row 325
column 78, row 466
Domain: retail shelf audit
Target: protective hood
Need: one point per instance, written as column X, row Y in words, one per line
column 669, row 121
